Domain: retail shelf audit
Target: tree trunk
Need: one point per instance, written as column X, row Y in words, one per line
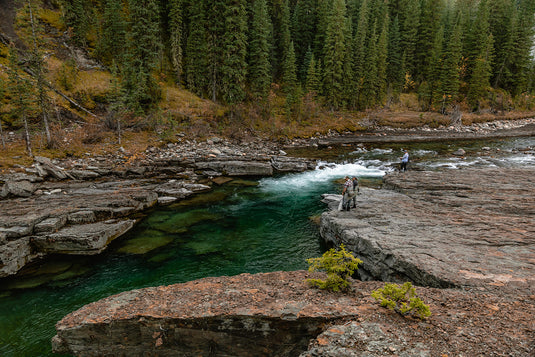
column 27, row 135
column 2, row 136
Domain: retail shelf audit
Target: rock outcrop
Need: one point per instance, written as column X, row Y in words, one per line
column 79, row 206
column 278, row 314
column 451, row 228
column 272, row 314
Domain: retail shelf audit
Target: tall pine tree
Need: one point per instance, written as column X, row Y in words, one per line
column 335, row 55
column 234, row 68
column 141, row 92
column 259, row 49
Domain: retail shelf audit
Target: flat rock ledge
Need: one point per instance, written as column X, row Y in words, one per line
column 79, row 206
column 452, row 228
column 278, row 314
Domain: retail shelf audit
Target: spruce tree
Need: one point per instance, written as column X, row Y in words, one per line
column 368, row 95
column 523, row 39
column 429, row 23
column 196, row 56
column 233, row 71
column 313, row 79
column 477, row 38
column 176, row 34
column 111, row 44
column 429, row 91
column 140, row 88
column 502, row 21
column 359, row 53
column 382, row 53
column 303, row 30
column 76, row 17
column 259, row 65
column 215, row 27
column 450, row 76
column 394, row 68
column 21, row 90
column 289, row 79
column 409, row 17
column 335, row 55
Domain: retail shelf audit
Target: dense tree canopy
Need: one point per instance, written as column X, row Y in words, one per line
column 358, row 53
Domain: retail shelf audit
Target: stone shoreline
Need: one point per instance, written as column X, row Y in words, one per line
column 452, row 229
column 78, row 207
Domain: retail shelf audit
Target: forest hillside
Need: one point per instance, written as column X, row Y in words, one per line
column 80, row 73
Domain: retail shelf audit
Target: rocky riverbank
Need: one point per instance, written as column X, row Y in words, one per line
column 486, row 309
column 78, row 206
column 469, row 233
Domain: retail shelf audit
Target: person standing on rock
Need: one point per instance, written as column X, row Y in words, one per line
column 356, row 189
column 346, row 193
column 404, row 161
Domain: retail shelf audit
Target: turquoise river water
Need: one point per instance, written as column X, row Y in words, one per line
column 243, row 226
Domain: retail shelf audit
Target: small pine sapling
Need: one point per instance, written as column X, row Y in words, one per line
column 402, row 299
column 339, row 266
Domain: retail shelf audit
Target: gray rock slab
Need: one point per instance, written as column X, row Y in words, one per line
column 237, row 168
column 469, row 227
column 50, row 225
column 85, row 239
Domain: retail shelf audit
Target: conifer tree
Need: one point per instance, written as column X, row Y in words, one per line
column 409, row 17
column 303, row 30
column 215, row 27
column 259, row 65
column 77, row 19
column 335, row 55
column 233, row 71
column 359, row 53
column 394, row 68
column 523, row 38
column 428, row 90
column 382, row 53
column 289, row 78
column 140, row 88
column 21, row 90
column 502, row 21
column 113, row 33
column 313, row 79
column 324, row 9
column 176, row 34
column 39, row 69
column 369, row 94
column 429, row 23
column 196, row 57
column 450, row 80
column 477, row 38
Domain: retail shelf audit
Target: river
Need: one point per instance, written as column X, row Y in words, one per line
column 242, row 226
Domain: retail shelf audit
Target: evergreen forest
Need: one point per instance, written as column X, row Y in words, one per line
column 336, row 55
